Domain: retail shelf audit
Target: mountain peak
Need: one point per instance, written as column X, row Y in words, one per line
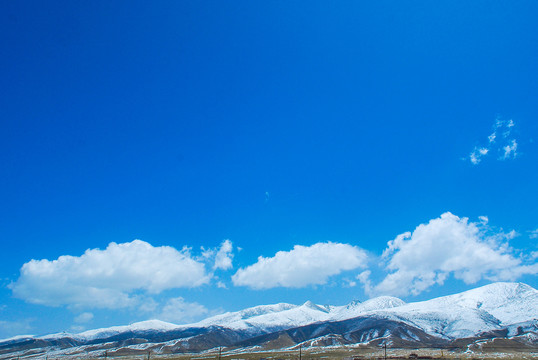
column 486, row 308
column 383, row 302
column 310, row 304
column 153, row 324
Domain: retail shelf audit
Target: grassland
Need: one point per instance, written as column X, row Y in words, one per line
column 337, row 353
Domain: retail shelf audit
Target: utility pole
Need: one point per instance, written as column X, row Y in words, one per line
column 300, row 352
column 106, row 354
column 220, row 351
column 149, row 353
column 385, row 351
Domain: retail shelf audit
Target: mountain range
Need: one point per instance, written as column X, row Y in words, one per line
column 496, row 316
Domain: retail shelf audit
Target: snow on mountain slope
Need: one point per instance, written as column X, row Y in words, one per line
column 355, row 308
column 149, row 325
column 509, row 302
column 17, row 338
column 283, row 316
column 269, row 317
column 487, row 308
column 240, row 318
column 467, row 314
column 525, row 327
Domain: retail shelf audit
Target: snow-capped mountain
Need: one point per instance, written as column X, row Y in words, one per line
column 470, row 313
column 499, row 310
column 356, row 308
column 268, row 318
column 488, row 308
column 149, row 325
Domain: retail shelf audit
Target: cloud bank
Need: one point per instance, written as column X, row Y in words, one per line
column 300, row 267
column 448, row 245
column 109, row 278
column 132, row 274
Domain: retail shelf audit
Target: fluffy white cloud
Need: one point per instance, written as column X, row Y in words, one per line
column 444, row 246
column 300, row 267
column 108, row 278
column 223, row 258
column 500, row 142
column 179, row 311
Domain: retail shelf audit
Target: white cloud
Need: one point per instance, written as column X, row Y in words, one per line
column 84, row 318
column 477, row 154
column 534, row 234
column 502, row 144
column 448, row 245
column 483, row 219
column 179, row 311
column 510, row 150
column 80, row 320
column 147, row 304
column 108, row 278
column 364, row 278
column 223, row 258
column 300, row 267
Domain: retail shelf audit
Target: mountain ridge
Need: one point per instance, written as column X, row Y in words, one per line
column 498, row 310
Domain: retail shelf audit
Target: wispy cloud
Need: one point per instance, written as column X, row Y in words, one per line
column 477, row 154
column 301, row 266
column 83, row 318
column 509, row 151
column 178, row 310
column 500, row 143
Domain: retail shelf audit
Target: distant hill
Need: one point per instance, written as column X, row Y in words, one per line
column 502, row 315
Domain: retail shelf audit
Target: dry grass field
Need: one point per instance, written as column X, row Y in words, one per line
column 340, row 353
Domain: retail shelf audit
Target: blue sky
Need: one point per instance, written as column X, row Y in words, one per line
column 351, row 145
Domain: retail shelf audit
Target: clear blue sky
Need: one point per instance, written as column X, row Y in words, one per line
column 333, row 126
